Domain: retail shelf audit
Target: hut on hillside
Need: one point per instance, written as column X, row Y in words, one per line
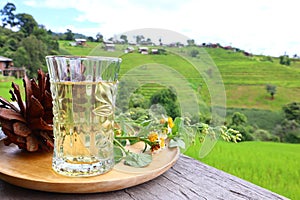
column 7, row 68
column 5, row 63
column 109, row 46
column 80, row 42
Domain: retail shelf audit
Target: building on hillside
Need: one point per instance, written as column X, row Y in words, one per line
column 143, row 50
column 129, row 49
column 17, row 72
column 132, row 43
column 154, row 51
column 109, row 46
column 7, row 68
column 5, row 63
column 80, row 42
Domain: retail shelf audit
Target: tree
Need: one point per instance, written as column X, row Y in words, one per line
column 264, row 135
column 168, row 99
column 26, row 23
column 271, row 89
column 138, row 100
column 284, row 60
column 21, row 57
column 292, row 111
column 90, row 38
column 8, row 15
column 139, row 39
column 12, row 44
column 149, row 40
column 126, row 88
column 124, row 37
column 36, row 51
column 289, row 129
column 239, row 123
column 29, row 45
column 194, row 53
column 191, row 42
column 99, row 37
column 238, row 119
column 42, row 34
column 69, row 35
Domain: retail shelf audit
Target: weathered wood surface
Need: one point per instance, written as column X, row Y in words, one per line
column 187, row 179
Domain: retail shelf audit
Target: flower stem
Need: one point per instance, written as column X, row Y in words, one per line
column 130, row 138
column 120, row 145
column 143, row 139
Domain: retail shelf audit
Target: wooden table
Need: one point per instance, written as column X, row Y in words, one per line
column 187, row 179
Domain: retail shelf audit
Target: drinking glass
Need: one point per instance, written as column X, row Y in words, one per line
column 84, row 93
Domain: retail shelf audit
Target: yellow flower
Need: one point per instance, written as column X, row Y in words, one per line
column 118, row 132
column 162, row 143
column 170, row 122
column 153, row 136
column 162, row 121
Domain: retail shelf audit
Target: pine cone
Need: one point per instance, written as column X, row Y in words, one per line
column 29, row 125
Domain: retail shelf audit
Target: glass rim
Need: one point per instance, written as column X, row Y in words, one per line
column 96, row 58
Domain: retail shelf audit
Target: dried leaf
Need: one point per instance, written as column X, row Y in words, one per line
column 36, row 108
column 7, row 141
column 49, row 141
column 18, row 97
column 13, row 96
column 21, row 129
column 35, row 90
column 8, row 104
column 47, row 86
column 31, row 143
column 12, row 137
column 39, row 124
column 30, row 125
column 47, row 101
column 6, row 124
column 48, row 117
column 41, row 81
column 8, row 114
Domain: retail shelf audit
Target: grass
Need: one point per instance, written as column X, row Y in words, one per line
column 241, row 70
column 66, row 48
column 264, row 119
column 274, row 166
column 244, row 77
column 5, row 86
column 256, row 96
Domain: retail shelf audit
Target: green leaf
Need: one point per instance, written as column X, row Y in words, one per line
column 177, row 142
column 118, row 154
column 177, row 125
column 131, row 142
column 146, row 122
column 138, row 160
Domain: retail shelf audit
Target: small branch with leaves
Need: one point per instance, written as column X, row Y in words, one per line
column 157, row 134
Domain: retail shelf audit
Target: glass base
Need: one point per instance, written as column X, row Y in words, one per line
column 62, row 167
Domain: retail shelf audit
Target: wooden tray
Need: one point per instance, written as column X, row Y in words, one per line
column 33, row 171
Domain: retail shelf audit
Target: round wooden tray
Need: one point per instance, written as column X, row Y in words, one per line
column 33, row 171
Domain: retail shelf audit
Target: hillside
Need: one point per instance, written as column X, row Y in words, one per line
column 245, row 78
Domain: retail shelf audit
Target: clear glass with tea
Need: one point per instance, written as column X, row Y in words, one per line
column 84, row 93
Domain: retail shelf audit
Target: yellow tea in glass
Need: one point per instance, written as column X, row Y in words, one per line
column 84, row 92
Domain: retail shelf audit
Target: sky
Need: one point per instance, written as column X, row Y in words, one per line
column 268, row 27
